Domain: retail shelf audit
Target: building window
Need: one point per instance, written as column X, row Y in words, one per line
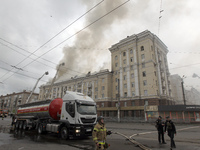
column 143, row 65
column 96, row 96
column 124, row 61
column 125, row 85
column 131, row 51
column 145, row 82
column 131, row 59
column 103, row 87
column 96, row 89
column 125, row 94
column 144, row 73
column 102, row 104
column 131, row 67
column 125, row 104
column 133, row 93
column 116, row 87
column 124, row 53
column 115, row 72
column 155, row 73
column 132, row 75
column 102, row 95
column 142, row 48
column 151, row 47
column 116, row 104
column 103, row 80
column 116, row 57
column 132, row 103
column 124, row 77
column 145, row 92
column 143, row 57
column 146, row 103
column 116, row 64
column 116, row 80
column 124, row 69
column 133, row 84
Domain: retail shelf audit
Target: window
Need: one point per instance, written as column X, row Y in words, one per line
column 125, row 104
column 115, row 72
column 116, row 104
column 125, row 94
column 143, row 57
column 142, row 48
column 143, row 65
column 133, row 84
column 125, row 85
column 96, row 96
column 131, row 59
column 151, row 47
column 132, row 103
column 116, row 57
column 145, row 92
column 124, row 61
column 155, row 73
column 131, row 51
column 116, row 80
column 103, row 87
column 102, row 95
column 145, row 82
column 96, row 89
column 131, row 67
column 124, row 69
column 132, row 75
column 103, row 80
column 133, row 93
column 70, row 108
column 116, row 64
column 146, row 102
column 102, row 104
column 124, row 77
column 124, row 53
column 144, row 73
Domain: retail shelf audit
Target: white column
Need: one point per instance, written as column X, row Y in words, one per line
column 158, row 69
column 128, row 74
column 136, row 73
column 121, row 76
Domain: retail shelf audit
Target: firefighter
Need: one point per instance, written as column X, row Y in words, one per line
column 159, row 125
column 99, row 134
column 171, row 130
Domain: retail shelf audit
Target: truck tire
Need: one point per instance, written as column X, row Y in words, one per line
column 64, row 133
column 24, row 125
column 39, row 129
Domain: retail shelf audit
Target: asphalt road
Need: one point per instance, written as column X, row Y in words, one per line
column 187, row 138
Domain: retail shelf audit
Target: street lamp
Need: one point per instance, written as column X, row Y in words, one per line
column 183, row 89
column 46, row 73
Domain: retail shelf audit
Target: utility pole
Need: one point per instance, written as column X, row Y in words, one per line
column 183, row 91
column 118, row 107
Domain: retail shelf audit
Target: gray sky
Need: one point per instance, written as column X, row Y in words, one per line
column 27, row 25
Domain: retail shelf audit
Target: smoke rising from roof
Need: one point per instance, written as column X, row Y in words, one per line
column 83, row 55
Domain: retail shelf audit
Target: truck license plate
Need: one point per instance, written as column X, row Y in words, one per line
column 88, row 130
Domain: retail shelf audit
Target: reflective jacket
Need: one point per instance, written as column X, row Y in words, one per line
column 99, row 134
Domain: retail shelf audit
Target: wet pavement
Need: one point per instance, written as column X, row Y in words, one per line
column 187, row 138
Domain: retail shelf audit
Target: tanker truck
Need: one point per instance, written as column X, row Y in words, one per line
column 74, row 115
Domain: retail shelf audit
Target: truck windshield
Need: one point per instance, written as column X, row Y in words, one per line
column 86, row 109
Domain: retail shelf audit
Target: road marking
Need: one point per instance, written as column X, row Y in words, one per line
column 143, row 133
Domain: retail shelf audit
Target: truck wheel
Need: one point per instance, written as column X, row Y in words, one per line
column 64, row 133
column 39, row 129
column 24, row 125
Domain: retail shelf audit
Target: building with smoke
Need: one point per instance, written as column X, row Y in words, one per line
column 139, row 78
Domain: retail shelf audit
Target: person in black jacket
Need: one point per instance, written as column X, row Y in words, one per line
column 159, row 125
column 171, row 130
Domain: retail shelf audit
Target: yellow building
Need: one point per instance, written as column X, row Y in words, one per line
column 139, row 67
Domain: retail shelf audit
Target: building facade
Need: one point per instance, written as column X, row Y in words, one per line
column 139, row 78
column 10, row 101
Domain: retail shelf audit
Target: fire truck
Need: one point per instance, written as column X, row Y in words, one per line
column 74, row 115
column 3, row 112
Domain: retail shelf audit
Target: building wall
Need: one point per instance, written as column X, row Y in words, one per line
column 10, row 101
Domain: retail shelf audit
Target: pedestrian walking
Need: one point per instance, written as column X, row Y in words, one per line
column 99, row 134
column 160, row 125
column 171, row 130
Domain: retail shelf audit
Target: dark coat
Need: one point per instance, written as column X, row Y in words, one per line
column 169, row 126
column 159, row 125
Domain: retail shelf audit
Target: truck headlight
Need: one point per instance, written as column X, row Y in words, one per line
column 77, row 131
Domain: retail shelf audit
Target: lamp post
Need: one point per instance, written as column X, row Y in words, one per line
column 118, row 106
column 182, row 85
column 46, row 73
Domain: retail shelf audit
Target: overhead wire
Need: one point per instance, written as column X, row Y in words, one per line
column 56, row 35
column 75, row 34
